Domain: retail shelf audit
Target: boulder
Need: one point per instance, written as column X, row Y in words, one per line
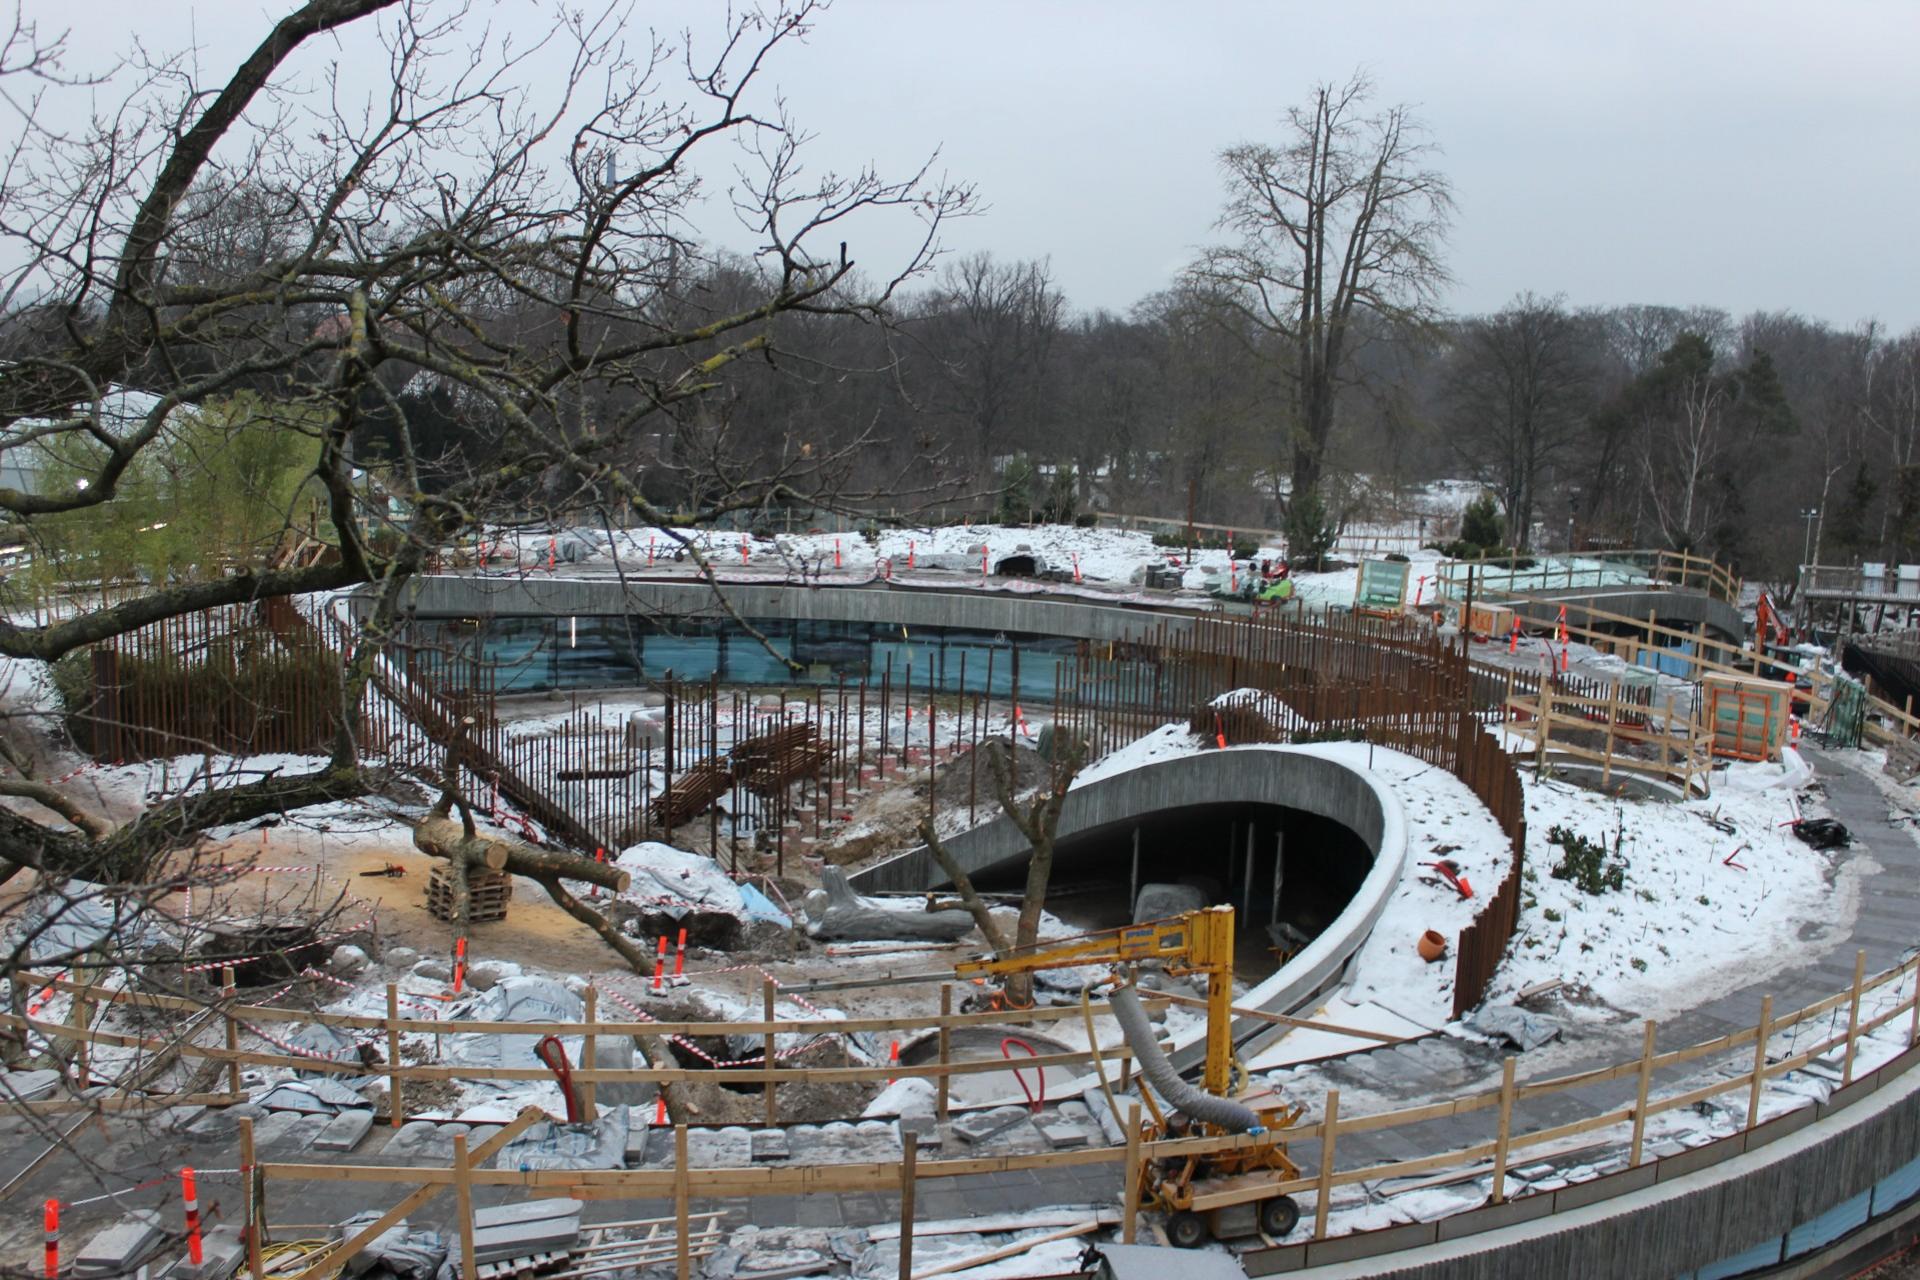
column 1158, row 901
column 845, row 914
column 399, row 957
column 348, row 962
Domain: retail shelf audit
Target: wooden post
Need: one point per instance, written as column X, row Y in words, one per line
column 1760, row 1060
column 463, row 1205
column 1324, row 1193
column 941, row 1086
column 909, row 1157
column 1505, row 1133
column 227, row 992
column 1130, row 1206
column 683, row 1252
column 589, row 1111
column 767, row 998
column 254, row 1215
column 1913, row 1028
column 395, row 1108
column 1853, row 1017
column 1640, row 1097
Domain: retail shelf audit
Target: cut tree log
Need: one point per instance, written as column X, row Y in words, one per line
column 441, row 837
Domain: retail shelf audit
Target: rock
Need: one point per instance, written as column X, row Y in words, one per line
column 577, row 984
column 348, row 962
column 399, row 957
column 434, row 971
column 1158, row 901
column 846, row 914
column 485, row 975
column 910, row 1097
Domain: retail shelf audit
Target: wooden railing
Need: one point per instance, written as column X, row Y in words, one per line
column 1553, row 721
column 1502, row 1149
column 1500, row 578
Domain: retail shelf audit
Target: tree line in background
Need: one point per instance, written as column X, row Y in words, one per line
column 1298, row 375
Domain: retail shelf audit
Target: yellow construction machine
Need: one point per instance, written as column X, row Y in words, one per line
column 1196, row 1191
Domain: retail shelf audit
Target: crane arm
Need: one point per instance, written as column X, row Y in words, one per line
column 1172, row 940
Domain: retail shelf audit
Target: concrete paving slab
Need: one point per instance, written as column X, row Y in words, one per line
column 221, row 1254
column 1060, row 1133
column 729, row 1148
column 976, row 1127
column 121, row 1247
column 344, row 1131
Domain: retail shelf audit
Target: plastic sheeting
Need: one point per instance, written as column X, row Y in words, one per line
column 523, row 999
column 549, row 1144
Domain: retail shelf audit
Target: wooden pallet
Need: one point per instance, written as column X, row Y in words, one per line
column 488, row 893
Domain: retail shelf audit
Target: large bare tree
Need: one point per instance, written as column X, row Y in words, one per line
column 1518, row 392
column 1342, row 218
column 503, row 225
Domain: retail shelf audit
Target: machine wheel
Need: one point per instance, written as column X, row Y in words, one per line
column 1279, row 1216
column 1187, row 1230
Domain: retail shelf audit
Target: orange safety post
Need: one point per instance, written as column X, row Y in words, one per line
column 1513, row 640
column 459, row 964
column 188, row 1193
column 1076, row 566
column 53, row 1239
column 910, row 551
column 836, row 553
column 660, row 968
column 680, row 957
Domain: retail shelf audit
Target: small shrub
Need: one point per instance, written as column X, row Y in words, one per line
column 1638, row 963
column 1087, row 520
column 1586, row 863
column 1553, row 917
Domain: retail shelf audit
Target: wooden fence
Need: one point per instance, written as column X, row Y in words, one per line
column 236, row 680
column 1506, row 577
column 1597, row 727
column 1501, row 1150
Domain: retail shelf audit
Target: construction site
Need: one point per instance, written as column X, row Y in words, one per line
column 701, row 940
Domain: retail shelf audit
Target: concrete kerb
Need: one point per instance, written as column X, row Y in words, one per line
column 457, row 595
column 1684, row 1211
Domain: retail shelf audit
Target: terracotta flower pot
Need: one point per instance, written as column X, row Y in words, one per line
column 1432, row 946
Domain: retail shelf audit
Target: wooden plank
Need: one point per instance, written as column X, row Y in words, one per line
column 1760, row 1060
column 463, row 1202
column 909, row 1156
column 1504, row 1133
column 1006, row 1251
column 331, row 1259
column 1330, row 1128
column 1130, row 1207
column 1640, row 1096
column 682, row 1177
column 1853, row 1017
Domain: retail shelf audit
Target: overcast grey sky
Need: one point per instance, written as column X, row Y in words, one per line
column 1746, row 155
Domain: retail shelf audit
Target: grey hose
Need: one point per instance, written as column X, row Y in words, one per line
column 1180, row 1095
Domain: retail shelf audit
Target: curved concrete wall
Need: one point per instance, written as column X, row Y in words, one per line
column 1308, row 778
column 1664, row 1218
column 463, row 596
column 1669, row 608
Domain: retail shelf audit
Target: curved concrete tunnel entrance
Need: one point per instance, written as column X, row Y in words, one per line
column 1288, row 873
column 1329, row 782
